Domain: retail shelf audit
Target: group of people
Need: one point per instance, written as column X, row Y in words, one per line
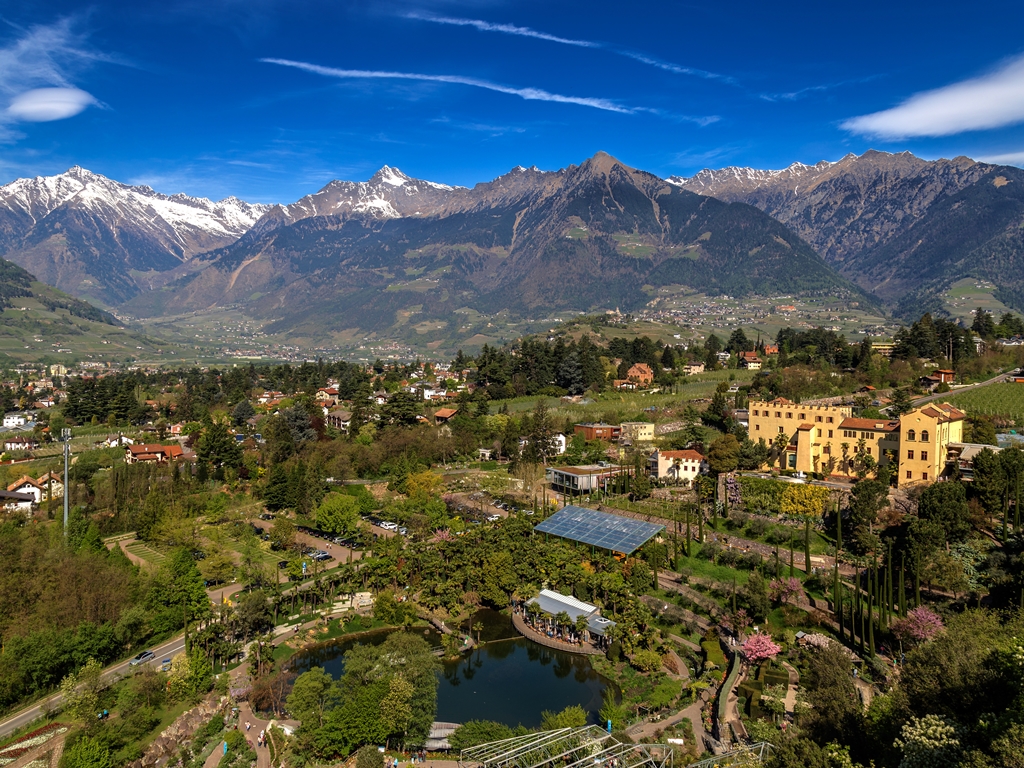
column 414, row 757
column 261, row 740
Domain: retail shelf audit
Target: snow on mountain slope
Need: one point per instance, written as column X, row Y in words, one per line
column 388, row 194
column 98, row 238
column 137, row 205
column 708, row 181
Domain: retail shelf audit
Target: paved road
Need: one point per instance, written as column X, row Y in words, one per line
column 26, row 716
column 928, row 398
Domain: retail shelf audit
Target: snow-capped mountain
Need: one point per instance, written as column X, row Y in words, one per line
column 89, row 235
column 708, row 181
column 388, row 194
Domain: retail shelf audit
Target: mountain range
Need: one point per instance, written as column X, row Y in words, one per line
column 107, row 241
column 395, row 251
column 594, row 236
column 901, row 227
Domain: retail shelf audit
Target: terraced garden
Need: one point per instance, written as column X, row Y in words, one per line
column 143, row 552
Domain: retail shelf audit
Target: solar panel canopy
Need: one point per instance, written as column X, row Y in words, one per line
column 600, row 529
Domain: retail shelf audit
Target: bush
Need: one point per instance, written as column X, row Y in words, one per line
column 779, row 534
column 369, row 757
column 756, row 527
column 475, row 732
column 614, row 652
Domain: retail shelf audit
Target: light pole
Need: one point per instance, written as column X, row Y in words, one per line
column 65, row 436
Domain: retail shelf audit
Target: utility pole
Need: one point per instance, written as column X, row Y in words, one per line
column 65, row 436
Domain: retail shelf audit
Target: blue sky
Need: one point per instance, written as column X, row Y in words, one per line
column 269, row 100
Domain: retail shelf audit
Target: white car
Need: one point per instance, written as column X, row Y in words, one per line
column 388, row 526
column 493, row 518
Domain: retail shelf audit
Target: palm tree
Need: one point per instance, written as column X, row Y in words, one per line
column 562, row 620
column 478, row 627
column 581, row 628
column 780, row 442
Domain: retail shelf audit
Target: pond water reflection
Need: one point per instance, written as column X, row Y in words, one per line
column 510, row 680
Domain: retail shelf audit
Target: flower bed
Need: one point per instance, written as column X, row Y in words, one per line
column 30, row 741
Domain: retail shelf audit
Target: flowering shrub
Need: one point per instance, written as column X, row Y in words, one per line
column 760, row 647
column 781, row 590
column 928, row 742
column 921, row 625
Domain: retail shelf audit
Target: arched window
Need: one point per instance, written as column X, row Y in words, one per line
column 911, row 435
column 924, row 435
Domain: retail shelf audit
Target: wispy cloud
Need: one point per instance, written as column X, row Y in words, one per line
column 692, row 158
column 530, row 94
column 508, row 29
column 1007, row 158
column 668, row 66
column 802, row 92
column 512, row 29
column 493, row 130
column 37, row 72
column 992, row 100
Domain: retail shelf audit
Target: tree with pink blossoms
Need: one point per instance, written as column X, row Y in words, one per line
column 760, row 647
column 920, row 626
column 781, row 590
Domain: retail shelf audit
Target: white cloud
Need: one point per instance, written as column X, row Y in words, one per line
column 1008, row 158
column 992, row 100
column 530, row 94
column 45, row 104
column 36, row 74
column 511, row 29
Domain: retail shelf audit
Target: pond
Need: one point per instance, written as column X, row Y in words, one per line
column 508, row 679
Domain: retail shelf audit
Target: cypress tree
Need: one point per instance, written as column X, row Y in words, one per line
column 903, row 586
column 807, row 546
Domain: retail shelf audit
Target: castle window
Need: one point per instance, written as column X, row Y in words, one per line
column 924, row 435
column 924, row 455
column 911, row 435
column 910, row 455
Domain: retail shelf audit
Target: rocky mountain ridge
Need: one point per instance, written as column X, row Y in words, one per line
column 98, row 238
column 589, row 237
column 903, row 228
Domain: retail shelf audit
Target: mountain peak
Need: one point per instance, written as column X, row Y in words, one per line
column 389, row 175
column 602, row 163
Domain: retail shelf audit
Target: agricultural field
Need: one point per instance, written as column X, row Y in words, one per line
column 965, row 296
column 1003, row 400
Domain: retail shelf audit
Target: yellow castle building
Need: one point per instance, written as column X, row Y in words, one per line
column 830, row 440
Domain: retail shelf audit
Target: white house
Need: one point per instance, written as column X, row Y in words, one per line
column 677, row 466
column 27, row 486
column 20, row 443
column 15, row 420
column 53, row 482
column 16, row 502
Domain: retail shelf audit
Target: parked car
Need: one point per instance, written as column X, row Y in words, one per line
column 387, row 525
column 493, row 518
column 266, row 516
column 142, row 658
column 403, row 530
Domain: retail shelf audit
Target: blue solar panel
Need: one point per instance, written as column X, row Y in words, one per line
column 600, row 529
